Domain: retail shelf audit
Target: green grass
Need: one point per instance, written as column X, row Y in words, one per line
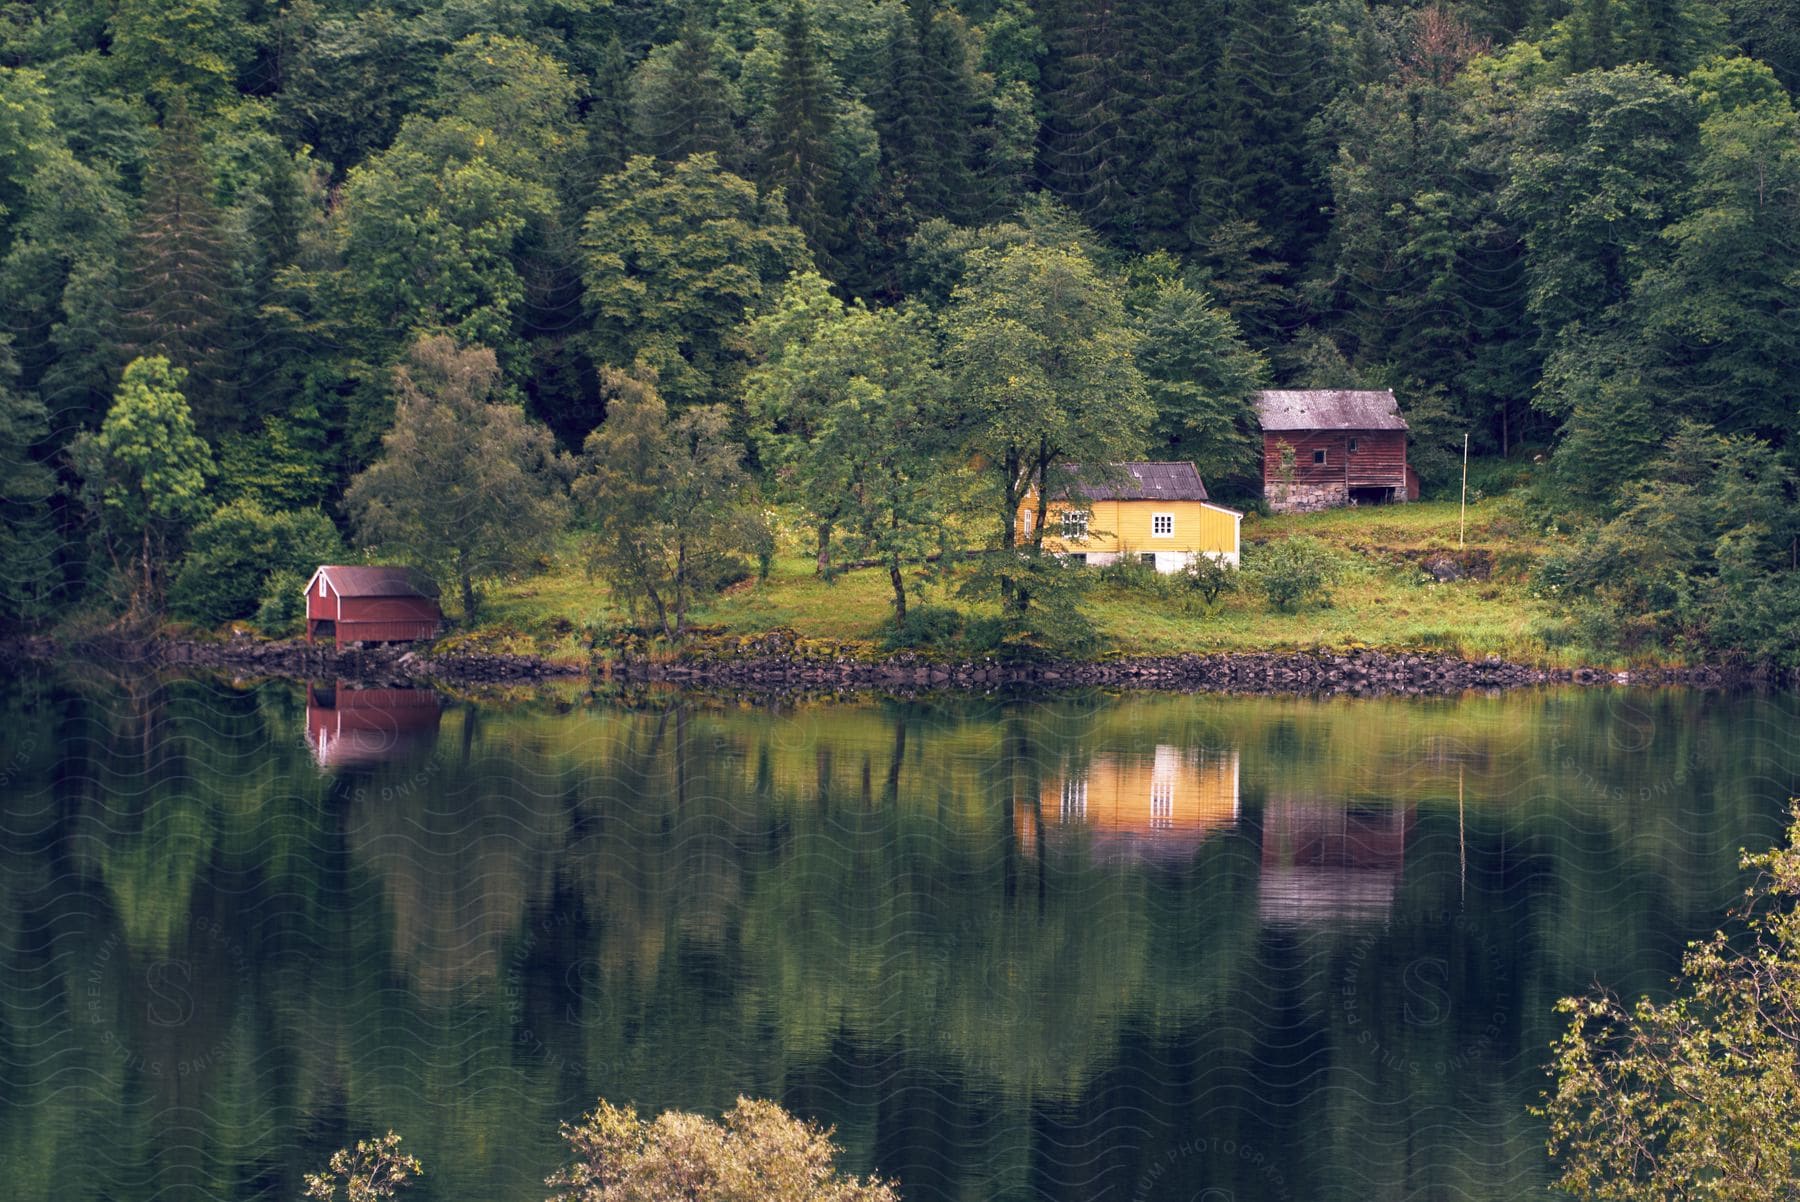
column 1383, row 599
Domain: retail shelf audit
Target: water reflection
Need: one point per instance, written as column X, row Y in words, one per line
column 1330, row 864
column 348, row 726
column 1137, row 948
column 1158, row 806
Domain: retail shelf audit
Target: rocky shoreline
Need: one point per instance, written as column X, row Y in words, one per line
column 298, row 660
column 781, row 663
column 774, row 667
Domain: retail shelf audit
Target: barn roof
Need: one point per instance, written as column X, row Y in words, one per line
column 1330, row 409
column 364, row 581
column 1139, row 482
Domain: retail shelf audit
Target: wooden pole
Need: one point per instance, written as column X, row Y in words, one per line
column 1463, row 521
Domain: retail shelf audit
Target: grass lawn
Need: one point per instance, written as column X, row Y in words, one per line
column 1383, row 598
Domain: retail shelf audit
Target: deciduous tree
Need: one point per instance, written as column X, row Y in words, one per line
column 755, row 1150
column 466, row 484
column 1041, row 353
column 674, row 258
column 849, row 407
column 143, row 476
column 1696, row 1097
column 665, row 496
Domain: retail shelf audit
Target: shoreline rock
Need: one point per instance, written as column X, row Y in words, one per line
column 780, row 662
column 297, row 660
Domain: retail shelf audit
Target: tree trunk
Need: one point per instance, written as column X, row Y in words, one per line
column 1009, row 534
column 662, row 611
column 142, row 605
column 824, row 557
column 467, row 579
column 899, row 583
column 681, row 589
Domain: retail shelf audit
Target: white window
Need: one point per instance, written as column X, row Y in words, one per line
column 1162, row 525
column 1074, row 525
column 1352, row 446
column 1029, row 518
column 1074, row 798
column 1162, row 804
column 1318, row 456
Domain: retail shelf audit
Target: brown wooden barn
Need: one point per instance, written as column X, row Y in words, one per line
column 1349, row 447
column 370, row 605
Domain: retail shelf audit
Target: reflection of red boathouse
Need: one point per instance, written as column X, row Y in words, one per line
column 368, row 726
column 1325, row 863
column 1121, row 806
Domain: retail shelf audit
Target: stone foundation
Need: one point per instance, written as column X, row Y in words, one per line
column 1306, row 498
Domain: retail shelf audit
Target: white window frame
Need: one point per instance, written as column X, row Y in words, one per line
column 1162, row 804
column 1321, row 455
column 1074, row 525
column 1074, row 798
column 1160, row 519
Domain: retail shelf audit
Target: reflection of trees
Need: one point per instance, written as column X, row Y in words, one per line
column 835, row 903
column 459, row 854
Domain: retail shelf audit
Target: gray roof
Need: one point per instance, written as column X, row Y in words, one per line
column 1139, row 482
column 1330, row 409
column 357, row 580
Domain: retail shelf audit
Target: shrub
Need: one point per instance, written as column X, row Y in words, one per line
column 282, row 612
column 237, row 549
column 926, row 626
column 1207, row 579
column 1294, row 572
column 756, row 1150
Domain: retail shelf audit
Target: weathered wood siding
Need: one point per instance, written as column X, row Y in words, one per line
column 1379, row 460
column 321, row 604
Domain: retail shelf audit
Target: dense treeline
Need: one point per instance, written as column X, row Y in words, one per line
column 846, row 244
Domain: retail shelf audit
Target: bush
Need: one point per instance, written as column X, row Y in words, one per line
column 755, row 1150
column 1128, row 573
column 237, row 549
column 1207, row 579
column 926, row 626
column 1294, row 572
column 282, row 613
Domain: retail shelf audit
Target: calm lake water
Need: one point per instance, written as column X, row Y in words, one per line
column 1096, row 947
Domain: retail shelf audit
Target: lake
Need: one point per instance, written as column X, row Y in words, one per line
column 1078, row 947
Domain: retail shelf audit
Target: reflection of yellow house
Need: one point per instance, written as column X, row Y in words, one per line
column 1170, row 800
column 1158, row 512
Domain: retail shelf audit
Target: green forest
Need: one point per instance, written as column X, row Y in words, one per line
column 455, row 282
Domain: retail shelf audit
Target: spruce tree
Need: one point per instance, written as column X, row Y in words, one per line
column 682, row 106
column 177, row 297
column 799, row 156
column 608, row 116
column 942, row 184
column 1093, row 96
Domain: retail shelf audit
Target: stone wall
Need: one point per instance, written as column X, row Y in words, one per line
column 1306, row 498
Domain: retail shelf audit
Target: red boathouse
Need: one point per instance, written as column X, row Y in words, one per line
column 370, row 605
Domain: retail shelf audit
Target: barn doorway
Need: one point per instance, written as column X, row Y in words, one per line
column 1372, row 496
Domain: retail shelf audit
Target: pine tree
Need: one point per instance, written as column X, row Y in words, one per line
column 799, row 156
column 178, row 291
column 27, row 537
column 1093, row 95
column 682, row 106
column 608, row 117
column 942, row 182
column 1256, row 163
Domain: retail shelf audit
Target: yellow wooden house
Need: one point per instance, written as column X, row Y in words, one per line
column 1156, row 512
